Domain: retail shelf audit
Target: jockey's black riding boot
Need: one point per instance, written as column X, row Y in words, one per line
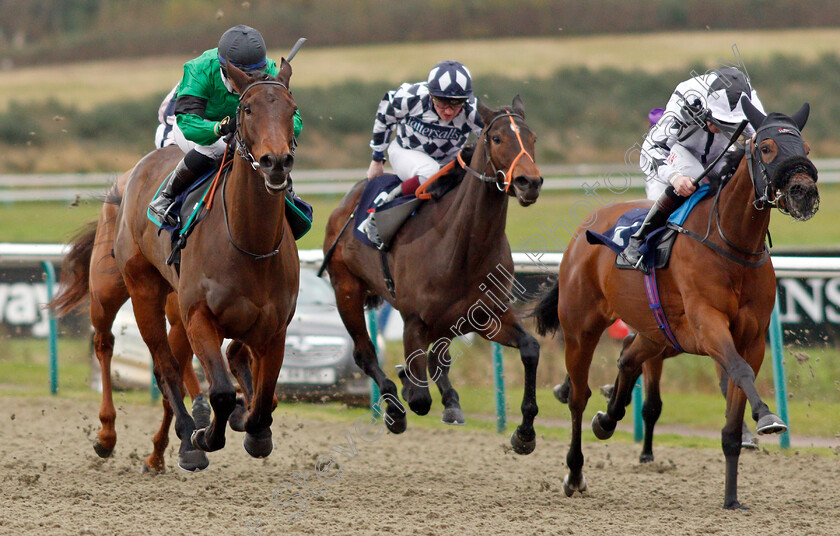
column 658, row 216
column 190, row 168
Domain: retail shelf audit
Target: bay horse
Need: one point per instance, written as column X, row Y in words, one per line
column 443, row 260
column 717, row 293
column 238, row 278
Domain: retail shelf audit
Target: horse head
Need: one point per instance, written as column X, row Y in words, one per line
column 782, row 173
column 509, row 150
column 265, row 123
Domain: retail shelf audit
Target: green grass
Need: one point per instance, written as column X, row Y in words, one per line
column 56, row 222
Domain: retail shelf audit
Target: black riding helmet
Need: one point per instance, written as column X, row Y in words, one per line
column 244, row 47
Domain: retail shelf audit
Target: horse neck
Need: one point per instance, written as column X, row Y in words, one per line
column 744, row 225
column 477, row 214
column 256, row 218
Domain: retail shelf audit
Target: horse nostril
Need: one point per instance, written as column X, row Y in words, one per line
column 268, row 162
column 287, row 161
column 521, row 182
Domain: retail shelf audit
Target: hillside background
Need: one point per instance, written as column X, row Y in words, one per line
column 81, row 80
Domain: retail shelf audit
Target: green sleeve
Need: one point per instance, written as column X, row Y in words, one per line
column 197, row 129
column 298, row 123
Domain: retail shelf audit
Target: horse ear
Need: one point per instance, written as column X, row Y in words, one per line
column 284, row 73
column 485, row 113
column 801, row 116
column 754, row 115
column 238, row 79
column 518, row 107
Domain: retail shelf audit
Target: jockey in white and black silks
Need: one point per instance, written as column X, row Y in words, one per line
column 205, row 110
column 694, row 129
column 431, row 120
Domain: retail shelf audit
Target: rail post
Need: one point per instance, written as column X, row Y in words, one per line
column 49, row 269
column 499, row 376
column 777, row 351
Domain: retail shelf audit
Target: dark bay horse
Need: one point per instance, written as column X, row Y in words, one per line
column 444, row 262
column 238, row 277
column 717, row 293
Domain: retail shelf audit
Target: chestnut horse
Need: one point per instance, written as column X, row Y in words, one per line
column 443, row 261
column 238, row 278
column 718, row 292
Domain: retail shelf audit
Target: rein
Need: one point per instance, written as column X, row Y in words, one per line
column 246, row 155
column 498, row 176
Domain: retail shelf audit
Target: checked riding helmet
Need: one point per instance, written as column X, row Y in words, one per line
column 721, row 103
column 450, row 80
column 244, row 47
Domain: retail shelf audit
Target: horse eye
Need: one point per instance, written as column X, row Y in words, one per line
column 497, row 139
column 247, row 109
column 765, row 149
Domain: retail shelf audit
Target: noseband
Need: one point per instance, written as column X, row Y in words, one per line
column 499, row 176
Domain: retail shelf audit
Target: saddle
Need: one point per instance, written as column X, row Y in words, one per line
column 378, row 223
column 657, row 246
column 193, row 205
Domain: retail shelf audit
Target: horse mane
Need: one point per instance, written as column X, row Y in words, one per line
column 731, row 161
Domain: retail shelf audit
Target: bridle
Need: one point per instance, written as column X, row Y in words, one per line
column 499, row 177
column 241, row 147
column 246, row 155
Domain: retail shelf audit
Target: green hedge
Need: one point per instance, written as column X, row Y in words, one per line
column 578, row 113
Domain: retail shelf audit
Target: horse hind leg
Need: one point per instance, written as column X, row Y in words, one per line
column 415, row 389
column 652, row 407
column 350, row 296
column 439, row 364
column 239, row 361
column 629, row 369
column 107, row 294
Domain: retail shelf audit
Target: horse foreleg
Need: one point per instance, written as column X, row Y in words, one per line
column 205, row 339
column 731, row 443
column 511, row 333
column 719, row 345
column 239, row 361
column 415, row 383
column 180, row 345
column 148, row 290
column 748, row 440
column 266, row 370
column 439, row 363
column 652, row 407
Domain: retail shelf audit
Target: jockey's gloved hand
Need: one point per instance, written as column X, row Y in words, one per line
column 225, row 126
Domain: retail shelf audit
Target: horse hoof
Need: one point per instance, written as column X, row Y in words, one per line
column 734, row 505
column 147, row 469
column 101, row 451
column 520, row 446
column 599, row 431
column 199, row 440
column 193, row 461
column 396, row 425
column 570, row 489
column 646, row 458
column 238, row 417
column 201, row 411
column 453, row 416
column 749, row 441
column 607, row 390
column 561, row 393
column 770, row 424
column 420, row 405
column 258, row 445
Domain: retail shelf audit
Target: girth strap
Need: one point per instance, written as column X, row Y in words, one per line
column 386, row 270
column 765, row 255
column 656, row 307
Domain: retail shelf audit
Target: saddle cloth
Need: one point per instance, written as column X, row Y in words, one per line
column 657, row 248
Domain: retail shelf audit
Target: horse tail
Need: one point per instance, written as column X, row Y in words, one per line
column 75, row 272
column 545, row 311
